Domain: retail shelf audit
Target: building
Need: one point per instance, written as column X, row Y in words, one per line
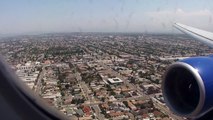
column 114, row 80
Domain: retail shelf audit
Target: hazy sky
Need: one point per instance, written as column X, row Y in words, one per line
column 38, row 16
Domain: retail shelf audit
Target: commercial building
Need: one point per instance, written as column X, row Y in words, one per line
column 114, row 80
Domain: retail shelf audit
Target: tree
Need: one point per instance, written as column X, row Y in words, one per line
column 103, row 99
column 143, row 106
column 140, row 74
column 62, row 93
column 108, row 87
column 125, row 103
column 67, row 86
column 94, row 93
column 112, row 93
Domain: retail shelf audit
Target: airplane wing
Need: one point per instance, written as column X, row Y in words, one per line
column 201, row 35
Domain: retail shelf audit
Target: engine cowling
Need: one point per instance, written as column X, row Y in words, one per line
column 187, row 86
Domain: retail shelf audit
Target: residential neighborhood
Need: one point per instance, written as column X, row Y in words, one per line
column 102, row 76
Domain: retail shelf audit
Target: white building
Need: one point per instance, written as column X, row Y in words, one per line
column 114, row 80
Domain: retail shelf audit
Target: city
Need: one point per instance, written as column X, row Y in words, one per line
column 115, row 76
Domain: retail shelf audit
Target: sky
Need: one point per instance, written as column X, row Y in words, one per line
column 150, row 16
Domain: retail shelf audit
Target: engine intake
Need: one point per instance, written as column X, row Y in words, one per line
column 188, row 86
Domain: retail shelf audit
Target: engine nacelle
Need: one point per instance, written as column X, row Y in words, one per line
column 188, row 86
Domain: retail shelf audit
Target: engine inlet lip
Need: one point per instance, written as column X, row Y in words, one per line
column 195, row 113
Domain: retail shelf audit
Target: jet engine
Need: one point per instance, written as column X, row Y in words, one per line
column 188, row 86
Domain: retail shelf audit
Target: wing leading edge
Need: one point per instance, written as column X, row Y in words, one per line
column 201, row 35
